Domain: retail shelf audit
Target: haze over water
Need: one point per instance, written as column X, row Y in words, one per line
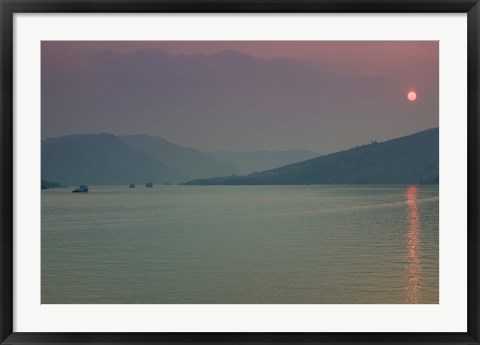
column 241, row 244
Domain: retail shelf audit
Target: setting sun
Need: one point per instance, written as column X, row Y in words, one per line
column 412, row 96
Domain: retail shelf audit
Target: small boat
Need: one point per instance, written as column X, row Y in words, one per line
column 149, row 184
column 81, row 189
column 132, row 185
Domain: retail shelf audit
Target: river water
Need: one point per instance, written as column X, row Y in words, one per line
column 240, row 244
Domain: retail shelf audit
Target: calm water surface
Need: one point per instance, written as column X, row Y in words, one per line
column 241, row 244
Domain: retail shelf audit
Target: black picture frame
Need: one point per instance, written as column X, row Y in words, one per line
column 9, row 8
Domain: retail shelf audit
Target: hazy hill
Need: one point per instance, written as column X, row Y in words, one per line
column 50, row 184
column 410, row 159
column 192, row 163
column 252, row 161
column 100, row 159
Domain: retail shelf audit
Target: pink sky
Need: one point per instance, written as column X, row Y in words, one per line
column 367, row 98
column 356, row 57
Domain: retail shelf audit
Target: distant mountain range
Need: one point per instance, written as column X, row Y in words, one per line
column 100, row 159
column 411, row 159
column 106, row 159
column 253, row 161
column 189, row 162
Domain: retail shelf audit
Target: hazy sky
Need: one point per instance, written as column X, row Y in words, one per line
column 213, row 95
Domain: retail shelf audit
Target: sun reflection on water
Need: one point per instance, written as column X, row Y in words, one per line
column 413, row 266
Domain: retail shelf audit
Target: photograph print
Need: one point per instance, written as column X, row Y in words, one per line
column 239, row 172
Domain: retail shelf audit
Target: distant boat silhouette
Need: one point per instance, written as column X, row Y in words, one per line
column 81, row 189
column 132, row 185
column 149, row 184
